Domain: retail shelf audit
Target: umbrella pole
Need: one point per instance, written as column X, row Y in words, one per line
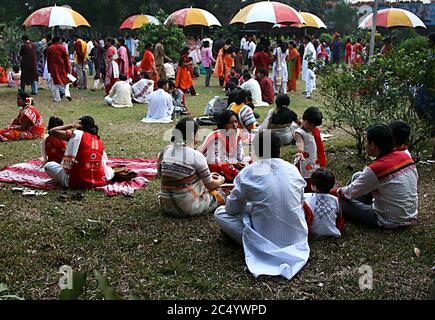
column 372, row 36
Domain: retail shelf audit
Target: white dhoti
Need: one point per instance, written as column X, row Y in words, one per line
column 57, row 173
column 304, row 70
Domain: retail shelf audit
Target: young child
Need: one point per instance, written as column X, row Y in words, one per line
column 324, row 218
column 178, row 98
column 311, row 80
column 232, row 76
column 52, row 149
column 14, row 77
column 401, row 132
column 310, row 150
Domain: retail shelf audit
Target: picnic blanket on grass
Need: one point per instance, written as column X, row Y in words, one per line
column 32, row 174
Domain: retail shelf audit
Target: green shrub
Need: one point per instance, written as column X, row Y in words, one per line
column 173, row 35
column 414, row 43
column 380, row 93
column 10, row 40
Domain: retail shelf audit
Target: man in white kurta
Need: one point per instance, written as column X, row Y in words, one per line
column 264, row 213
column 120, row 94
column 254, row 88
column 160, row 105
column 309, row 56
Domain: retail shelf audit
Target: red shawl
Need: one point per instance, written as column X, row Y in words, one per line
column 390, row 164
column 321, row 156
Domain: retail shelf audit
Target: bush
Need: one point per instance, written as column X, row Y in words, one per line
column 326, row 37
column 10, row 40
column 173, row 35
column 380, row 92
column 414, row 43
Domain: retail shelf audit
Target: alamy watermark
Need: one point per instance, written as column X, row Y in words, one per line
column 365, row 281
column 66, row 280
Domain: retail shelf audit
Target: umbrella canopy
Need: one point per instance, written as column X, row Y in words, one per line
column 56, row 17
column 191, row 17
column 389, row 1
column 268, row 12
column 137, row 21
column 392, row 17
column 312, row 21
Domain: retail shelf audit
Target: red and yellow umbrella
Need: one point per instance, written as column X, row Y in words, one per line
column 192, row 16
column 392, row 17
column 56, row 17
column 137, row 21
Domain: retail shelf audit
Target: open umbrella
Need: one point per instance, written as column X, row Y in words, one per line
column 392, row 17
column 191, row 17
column 137, row 21
column 312, row 21
column 56, row 17
column 268, row 12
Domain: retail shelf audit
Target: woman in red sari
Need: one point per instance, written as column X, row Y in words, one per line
column 28, row 125
column 223, row 147
column 293, row 66
column 183, row 79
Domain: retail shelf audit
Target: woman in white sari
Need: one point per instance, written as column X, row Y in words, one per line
column 279, row 68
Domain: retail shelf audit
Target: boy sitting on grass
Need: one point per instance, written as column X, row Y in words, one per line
column 324, row 219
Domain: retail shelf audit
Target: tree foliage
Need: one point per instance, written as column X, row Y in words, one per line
column 173, row 35
column 343, row 18
column 10, row 38
column 380, row 92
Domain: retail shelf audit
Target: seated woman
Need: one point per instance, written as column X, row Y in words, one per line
column 281, row 120
column 223, row 147
column 28, row 125
column 14, row 77
column 244, row 113
column 84, row 162
column 52, row 148
column 143, row 88
column 188, row 188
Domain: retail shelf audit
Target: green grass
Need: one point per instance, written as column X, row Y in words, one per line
column 151, row 256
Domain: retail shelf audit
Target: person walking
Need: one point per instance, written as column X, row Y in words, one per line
column 29, row 65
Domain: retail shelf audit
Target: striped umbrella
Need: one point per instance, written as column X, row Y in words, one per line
column 268, row 12
column 191, row 17
column 392, row 17
column 56, row 17
column 312, row 21
column 137, row 21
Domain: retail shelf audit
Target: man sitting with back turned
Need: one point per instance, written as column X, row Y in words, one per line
column 160, row 106
column 264, row 212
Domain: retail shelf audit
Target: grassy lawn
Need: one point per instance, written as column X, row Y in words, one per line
column 151, row 256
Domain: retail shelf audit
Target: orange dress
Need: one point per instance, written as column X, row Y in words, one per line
column 224, row 62
column 294, row 64
column 183, row 79
column 3, row 77
column 148, row 65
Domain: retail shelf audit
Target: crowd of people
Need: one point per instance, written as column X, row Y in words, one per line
column 265, row 203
